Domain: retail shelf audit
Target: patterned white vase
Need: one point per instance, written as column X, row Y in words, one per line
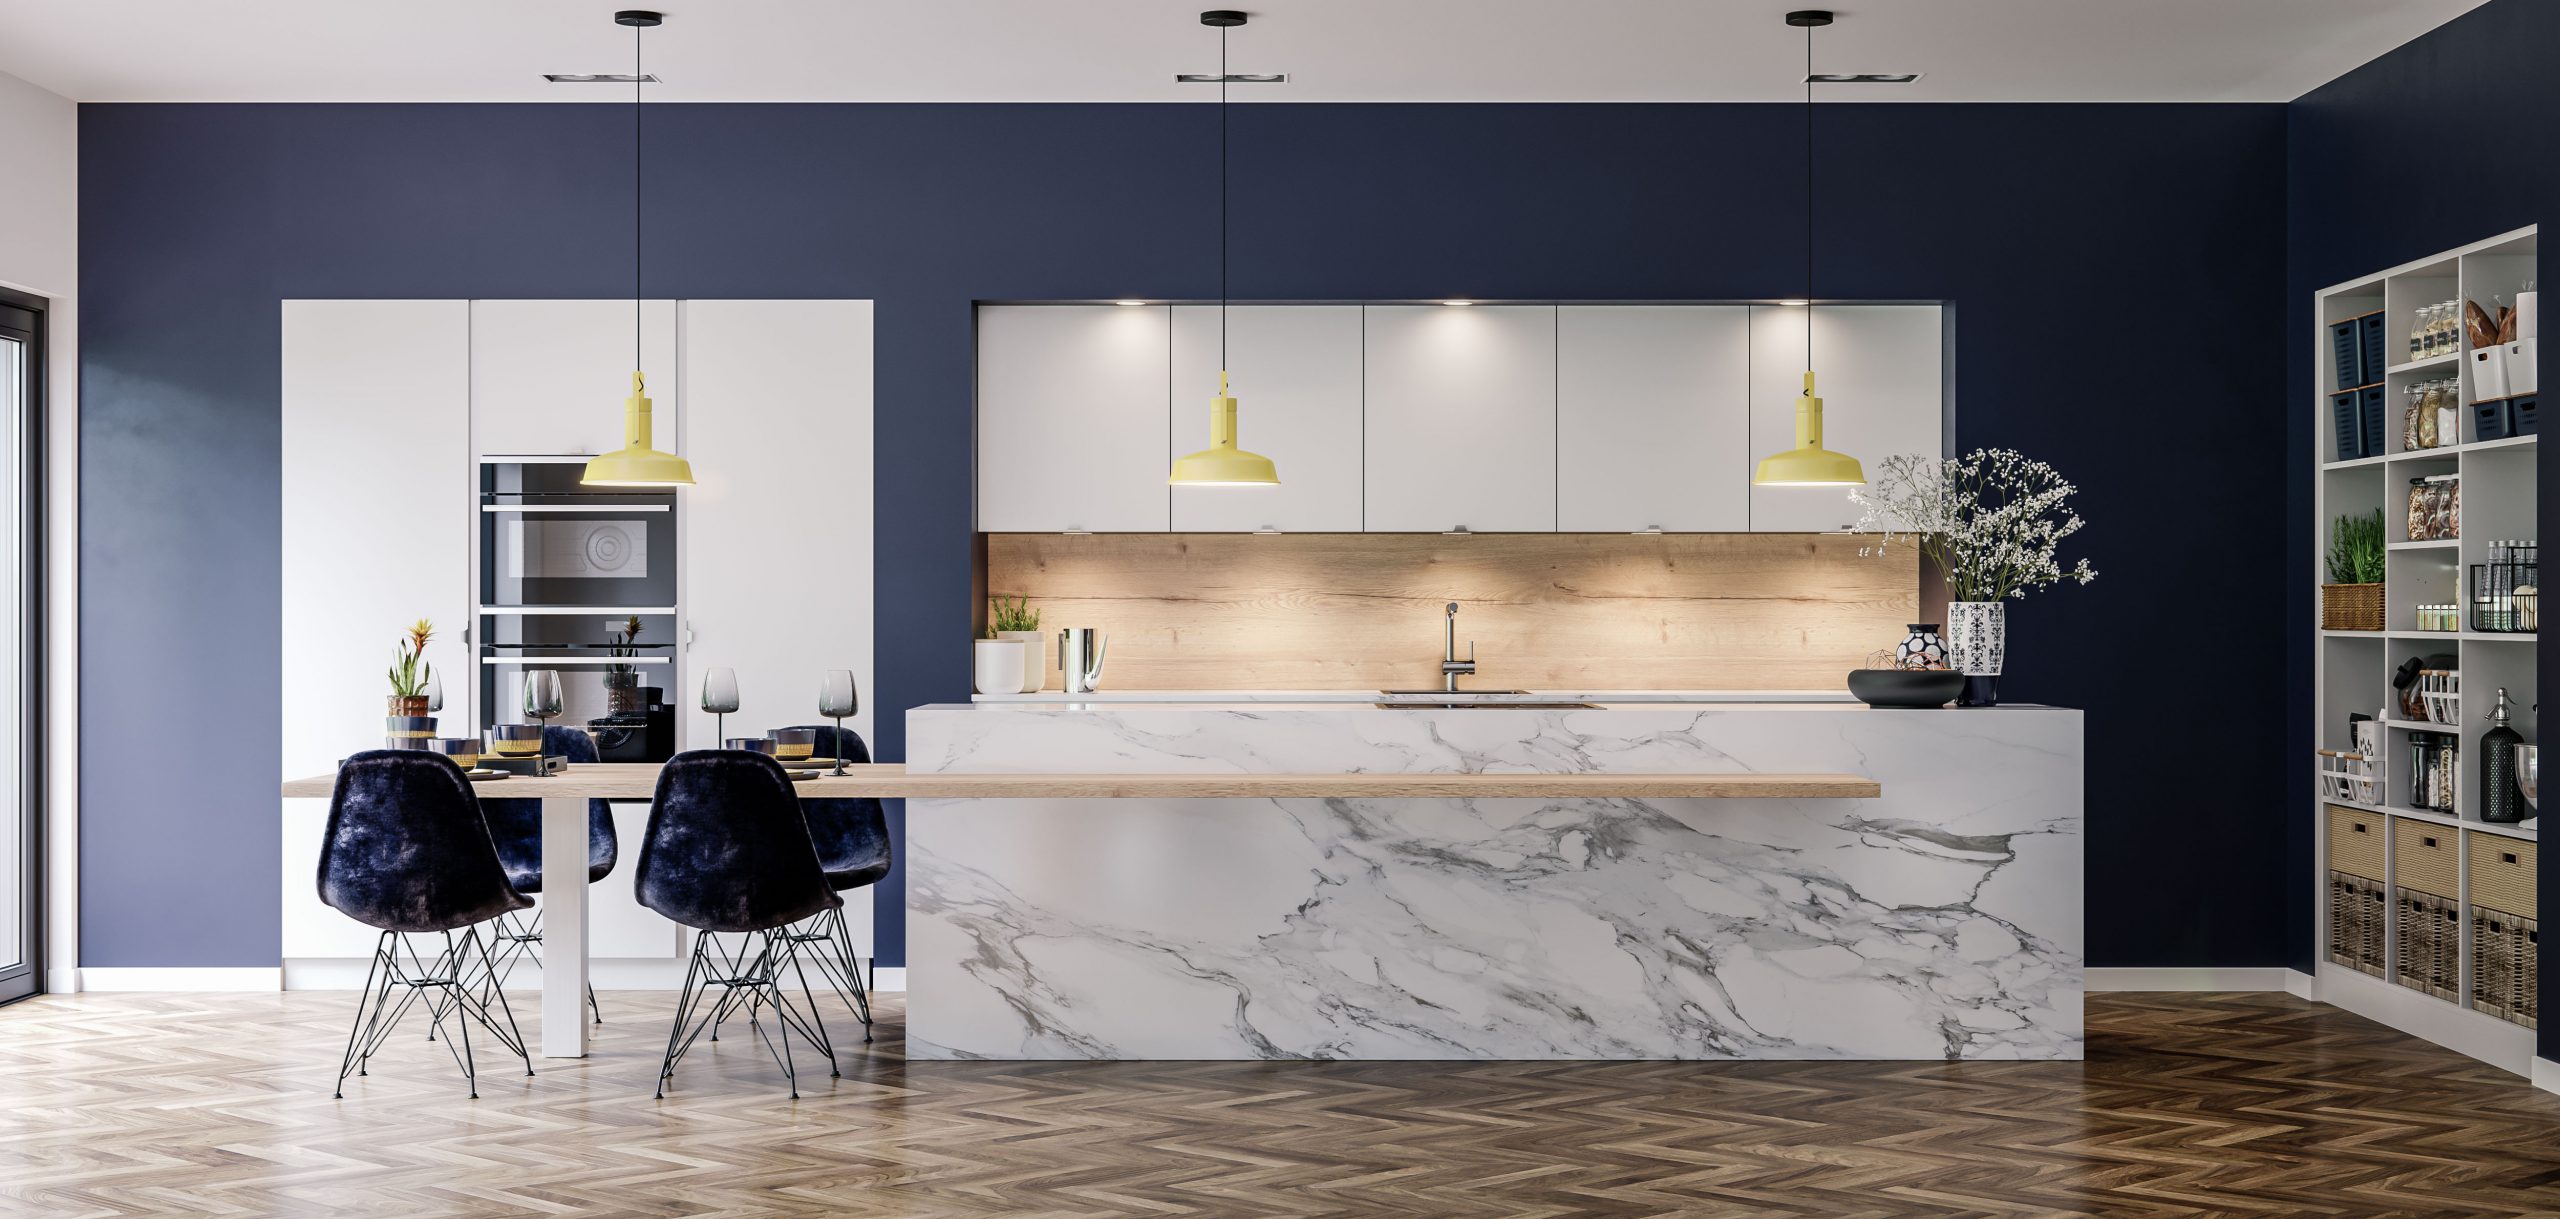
column 1977, row 637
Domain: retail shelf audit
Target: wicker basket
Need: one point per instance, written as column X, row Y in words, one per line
column 2358, row 904
column 2350, row 607
column 2506, row 938
column 2426, row 918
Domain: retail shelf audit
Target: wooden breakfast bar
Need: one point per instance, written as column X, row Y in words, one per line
column 564, row 799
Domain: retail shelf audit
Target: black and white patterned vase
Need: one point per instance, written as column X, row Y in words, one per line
column 1922, row 649
column 1977, row 638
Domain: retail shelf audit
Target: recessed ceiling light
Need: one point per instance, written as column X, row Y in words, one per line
column 1797, row 303
column 600, row 78
column 1232, row 78
column 1128, row 302
column 1861, row 78
column 1457, row 304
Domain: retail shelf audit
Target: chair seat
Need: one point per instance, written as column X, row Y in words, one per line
column 868, row 873
column 516, row 825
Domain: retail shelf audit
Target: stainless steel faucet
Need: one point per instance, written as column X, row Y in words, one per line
column 1452, row 668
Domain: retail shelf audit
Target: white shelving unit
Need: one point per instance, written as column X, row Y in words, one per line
column 2353, row 671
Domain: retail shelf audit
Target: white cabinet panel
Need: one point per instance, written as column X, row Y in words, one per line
column 778, row 528
column 1295, row 372
column 1073, row 422
column 311, row 928
column 378, row 514
column 551, row 376
column 1880, row 371
column 1652, row 418
column 1461, row 418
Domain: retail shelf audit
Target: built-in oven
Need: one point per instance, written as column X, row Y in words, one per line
column 580, row 581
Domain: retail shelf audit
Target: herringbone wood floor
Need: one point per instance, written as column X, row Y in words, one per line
column 2189, row 1104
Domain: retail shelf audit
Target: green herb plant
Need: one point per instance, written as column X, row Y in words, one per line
column 2355, row 549
column 1014, row 615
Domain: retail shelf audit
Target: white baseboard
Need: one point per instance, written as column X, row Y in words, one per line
column 2546, row 1074
column 2271, row 978
column 62, row 981
column 889, row 977
column 2301, row 985
column 2508, row 1047
column 178, row 978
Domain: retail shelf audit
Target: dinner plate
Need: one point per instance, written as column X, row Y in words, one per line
column 486, row 776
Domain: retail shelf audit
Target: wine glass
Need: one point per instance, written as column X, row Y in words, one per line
column 720, row 697
column 542, row 703
column 836, row 700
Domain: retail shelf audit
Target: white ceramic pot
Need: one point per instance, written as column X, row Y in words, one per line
column 1035, row 655
column 998, row 666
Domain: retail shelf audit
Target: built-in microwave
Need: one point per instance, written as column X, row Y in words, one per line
column 580, row 581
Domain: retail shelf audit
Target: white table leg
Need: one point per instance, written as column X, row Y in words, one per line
column 564, row 926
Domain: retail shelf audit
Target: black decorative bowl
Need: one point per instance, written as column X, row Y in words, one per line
column 1916, row 689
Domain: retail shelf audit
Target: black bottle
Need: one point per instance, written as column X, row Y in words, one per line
column 2501, row 801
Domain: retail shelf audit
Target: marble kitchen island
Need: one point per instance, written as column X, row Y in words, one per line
column 1939, row 921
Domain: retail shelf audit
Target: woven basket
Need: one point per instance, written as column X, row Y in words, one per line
column 2350, row 607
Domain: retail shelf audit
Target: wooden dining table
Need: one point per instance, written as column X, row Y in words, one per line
column 565, row 795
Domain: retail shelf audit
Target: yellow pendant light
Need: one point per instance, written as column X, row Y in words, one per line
column 1222, row 464
column 1808, row 464
column 636, row 463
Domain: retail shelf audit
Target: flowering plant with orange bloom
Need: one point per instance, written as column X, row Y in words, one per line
column 409, row 669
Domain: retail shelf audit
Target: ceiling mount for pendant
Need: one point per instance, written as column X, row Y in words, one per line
column 1810, row 18
column 638, row 463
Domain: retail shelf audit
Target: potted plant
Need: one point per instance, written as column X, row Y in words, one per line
column 1016, row 620
column 2352, row 599
column 622, row 680
column 1990, row 522
column 410, row 672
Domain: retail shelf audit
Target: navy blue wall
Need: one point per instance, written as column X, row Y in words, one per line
column 2114, row 268
column 2478, row 95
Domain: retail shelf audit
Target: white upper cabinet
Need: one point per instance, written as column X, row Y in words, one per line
column 1461, row 421
column 778, row 525
column 1653, row 411
column 1881, row 372
column 551, row 376
column 1073, row 418
column 1295, row 373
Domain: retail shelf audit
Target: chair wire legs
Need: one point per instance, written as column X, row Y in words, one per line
column 828, row 942
column 751, row 977
column 516, row 934
column 400, row 973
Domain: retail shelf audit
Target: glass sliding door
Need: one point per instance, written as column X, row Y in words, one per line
column 21, row 383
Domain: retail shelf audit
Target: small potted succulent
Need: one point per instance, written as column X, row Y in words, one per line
column 1016, row 620
column 410, row 671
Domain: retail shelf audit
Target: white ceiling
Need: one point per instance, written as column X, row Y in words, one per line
column 1128, row 50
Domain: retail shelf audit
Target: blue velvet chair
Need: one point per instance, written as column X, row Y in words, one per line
column 852, row 838
column 727, row 853
column 516, row 826
column 406, row 852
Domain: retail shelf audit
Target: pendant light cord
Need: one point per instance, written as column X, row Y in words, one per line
column 1222, row 201
column 636, row 77
column 1808, row 198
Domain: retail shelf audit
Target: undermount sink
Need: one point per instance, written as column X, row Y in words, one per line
column 1439, row 700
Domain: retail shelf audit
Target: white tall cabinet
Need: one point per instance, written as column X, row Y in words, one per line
column 1295, row 371
column 1881, row 371
column 377, row 509
column 387, row 406
column 1461, row 418
column 1653, row 413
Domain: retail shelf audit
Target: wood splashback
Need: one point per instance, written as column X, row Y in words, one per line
column 1547, row 611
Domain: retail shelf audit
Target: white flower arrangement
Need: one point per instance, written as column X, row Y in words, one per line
column 1990, row 520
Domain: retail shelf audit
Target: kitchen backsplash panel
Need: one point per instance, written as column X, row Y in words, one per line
column 1546, row 610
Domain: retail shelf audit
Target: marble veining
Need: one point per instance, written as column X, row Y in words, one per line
column 1939, row 922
